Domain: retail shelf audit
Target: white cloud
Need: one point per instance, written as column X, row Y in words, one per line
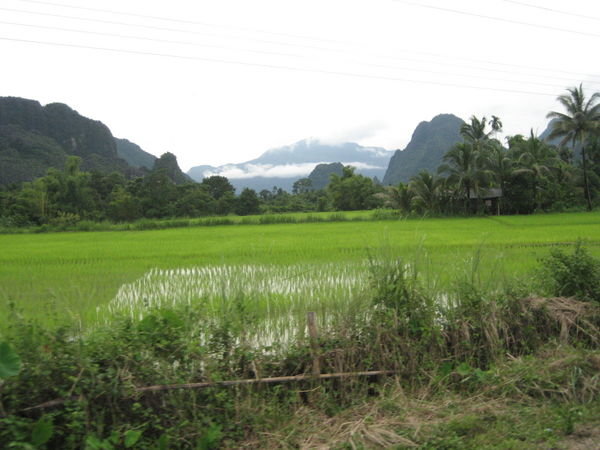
column 363, row 166
column 355, row 134
column 275, row 171
column 263, row 170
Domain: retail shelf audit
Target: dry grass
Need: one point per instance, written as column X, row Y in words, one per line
column 397, row 421
column 570, row 313
column 396, row 418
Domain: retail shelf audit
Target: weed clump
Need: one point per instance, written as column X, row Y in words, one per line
column 575, row 274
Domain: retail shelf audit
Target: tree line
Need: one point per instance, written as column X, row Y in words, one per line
column 477, row 175
column 525, row 176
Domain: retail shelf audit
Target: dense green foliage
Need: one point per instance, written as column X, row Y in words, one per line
column 479, row 175
column 70, row 196
column 573, row 275
column 351, row 192
column 577, row 124
column 168, row 164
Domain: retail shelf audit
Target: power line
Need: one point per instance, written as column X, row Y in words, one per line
column 499, row 19
column 273, row 66
column 544, row 8
column 312, row 47
column 386, row 66
column 184, row 21
column 148, row 27
column 148, row 39
column 177, row 20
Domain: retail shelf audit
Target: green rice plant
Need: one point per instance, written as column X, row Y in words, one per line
column 68, row 275
column 271, row 301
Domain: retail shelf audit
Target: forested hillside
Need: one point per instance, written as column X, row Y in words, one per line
column 34, row 138
column 429, row 142
column 133, row 154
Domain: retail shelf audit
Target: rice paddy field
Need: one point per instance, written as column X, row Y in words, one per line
column 282, row 270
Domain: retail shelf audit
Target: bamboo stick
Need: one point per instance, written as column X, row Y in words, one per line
column 287, row 379
column 207, row 384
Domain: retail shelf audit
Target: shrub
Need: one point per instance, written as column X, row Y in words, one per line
column 572, row 275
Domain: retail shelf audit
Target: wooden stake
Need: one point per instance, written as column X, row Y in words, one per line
column 313, row 332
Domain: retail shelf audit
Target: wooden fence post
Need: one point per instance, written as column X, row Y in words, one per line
column 314, row 342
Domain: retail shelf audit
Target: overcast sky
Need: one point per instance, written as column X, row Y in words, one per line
column 222, row 81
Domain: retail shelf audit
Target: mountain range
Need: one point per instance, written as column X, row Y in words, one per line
column 282, row 166
column 34, row 138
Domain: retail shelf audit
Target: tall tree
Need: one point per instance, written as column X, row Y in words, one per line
column 466, row 163
column 302, row 186
column 475, row 131
column 536, row 159
column 247, row 203
column 496, row 125
column 577, row 124
column 218, row 186
column 352, row 191
column 425, row 189
column 464, row 166
column 501, row 166
column 396, row 197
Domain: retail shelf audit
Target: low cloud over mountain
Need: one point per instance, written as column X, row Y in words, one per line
column 282, row 166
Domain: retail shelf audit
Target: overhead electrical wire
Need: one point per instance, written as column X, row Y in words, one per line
column 498, row 19
column 312, row 47
column 544, row 8
column 177, row 20
column 184, row 21
column 150, row 27
column 274, row 66
column 148, row 39
column 536, row 83
column 266, row 52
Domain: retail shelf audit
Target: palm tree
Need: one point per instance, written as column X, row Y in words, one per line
column 535, row 158
column 501, row 166
column 496, row 124
column 582, row 119
column 396, row 197
column 425, row 189
column 475, row 131
column 464, row 166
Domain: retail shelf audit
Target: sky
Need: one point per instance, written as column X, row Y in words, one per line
column 218, row 82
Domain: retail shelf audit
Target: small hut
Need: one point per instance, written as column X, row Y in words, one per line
column 490, row 197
